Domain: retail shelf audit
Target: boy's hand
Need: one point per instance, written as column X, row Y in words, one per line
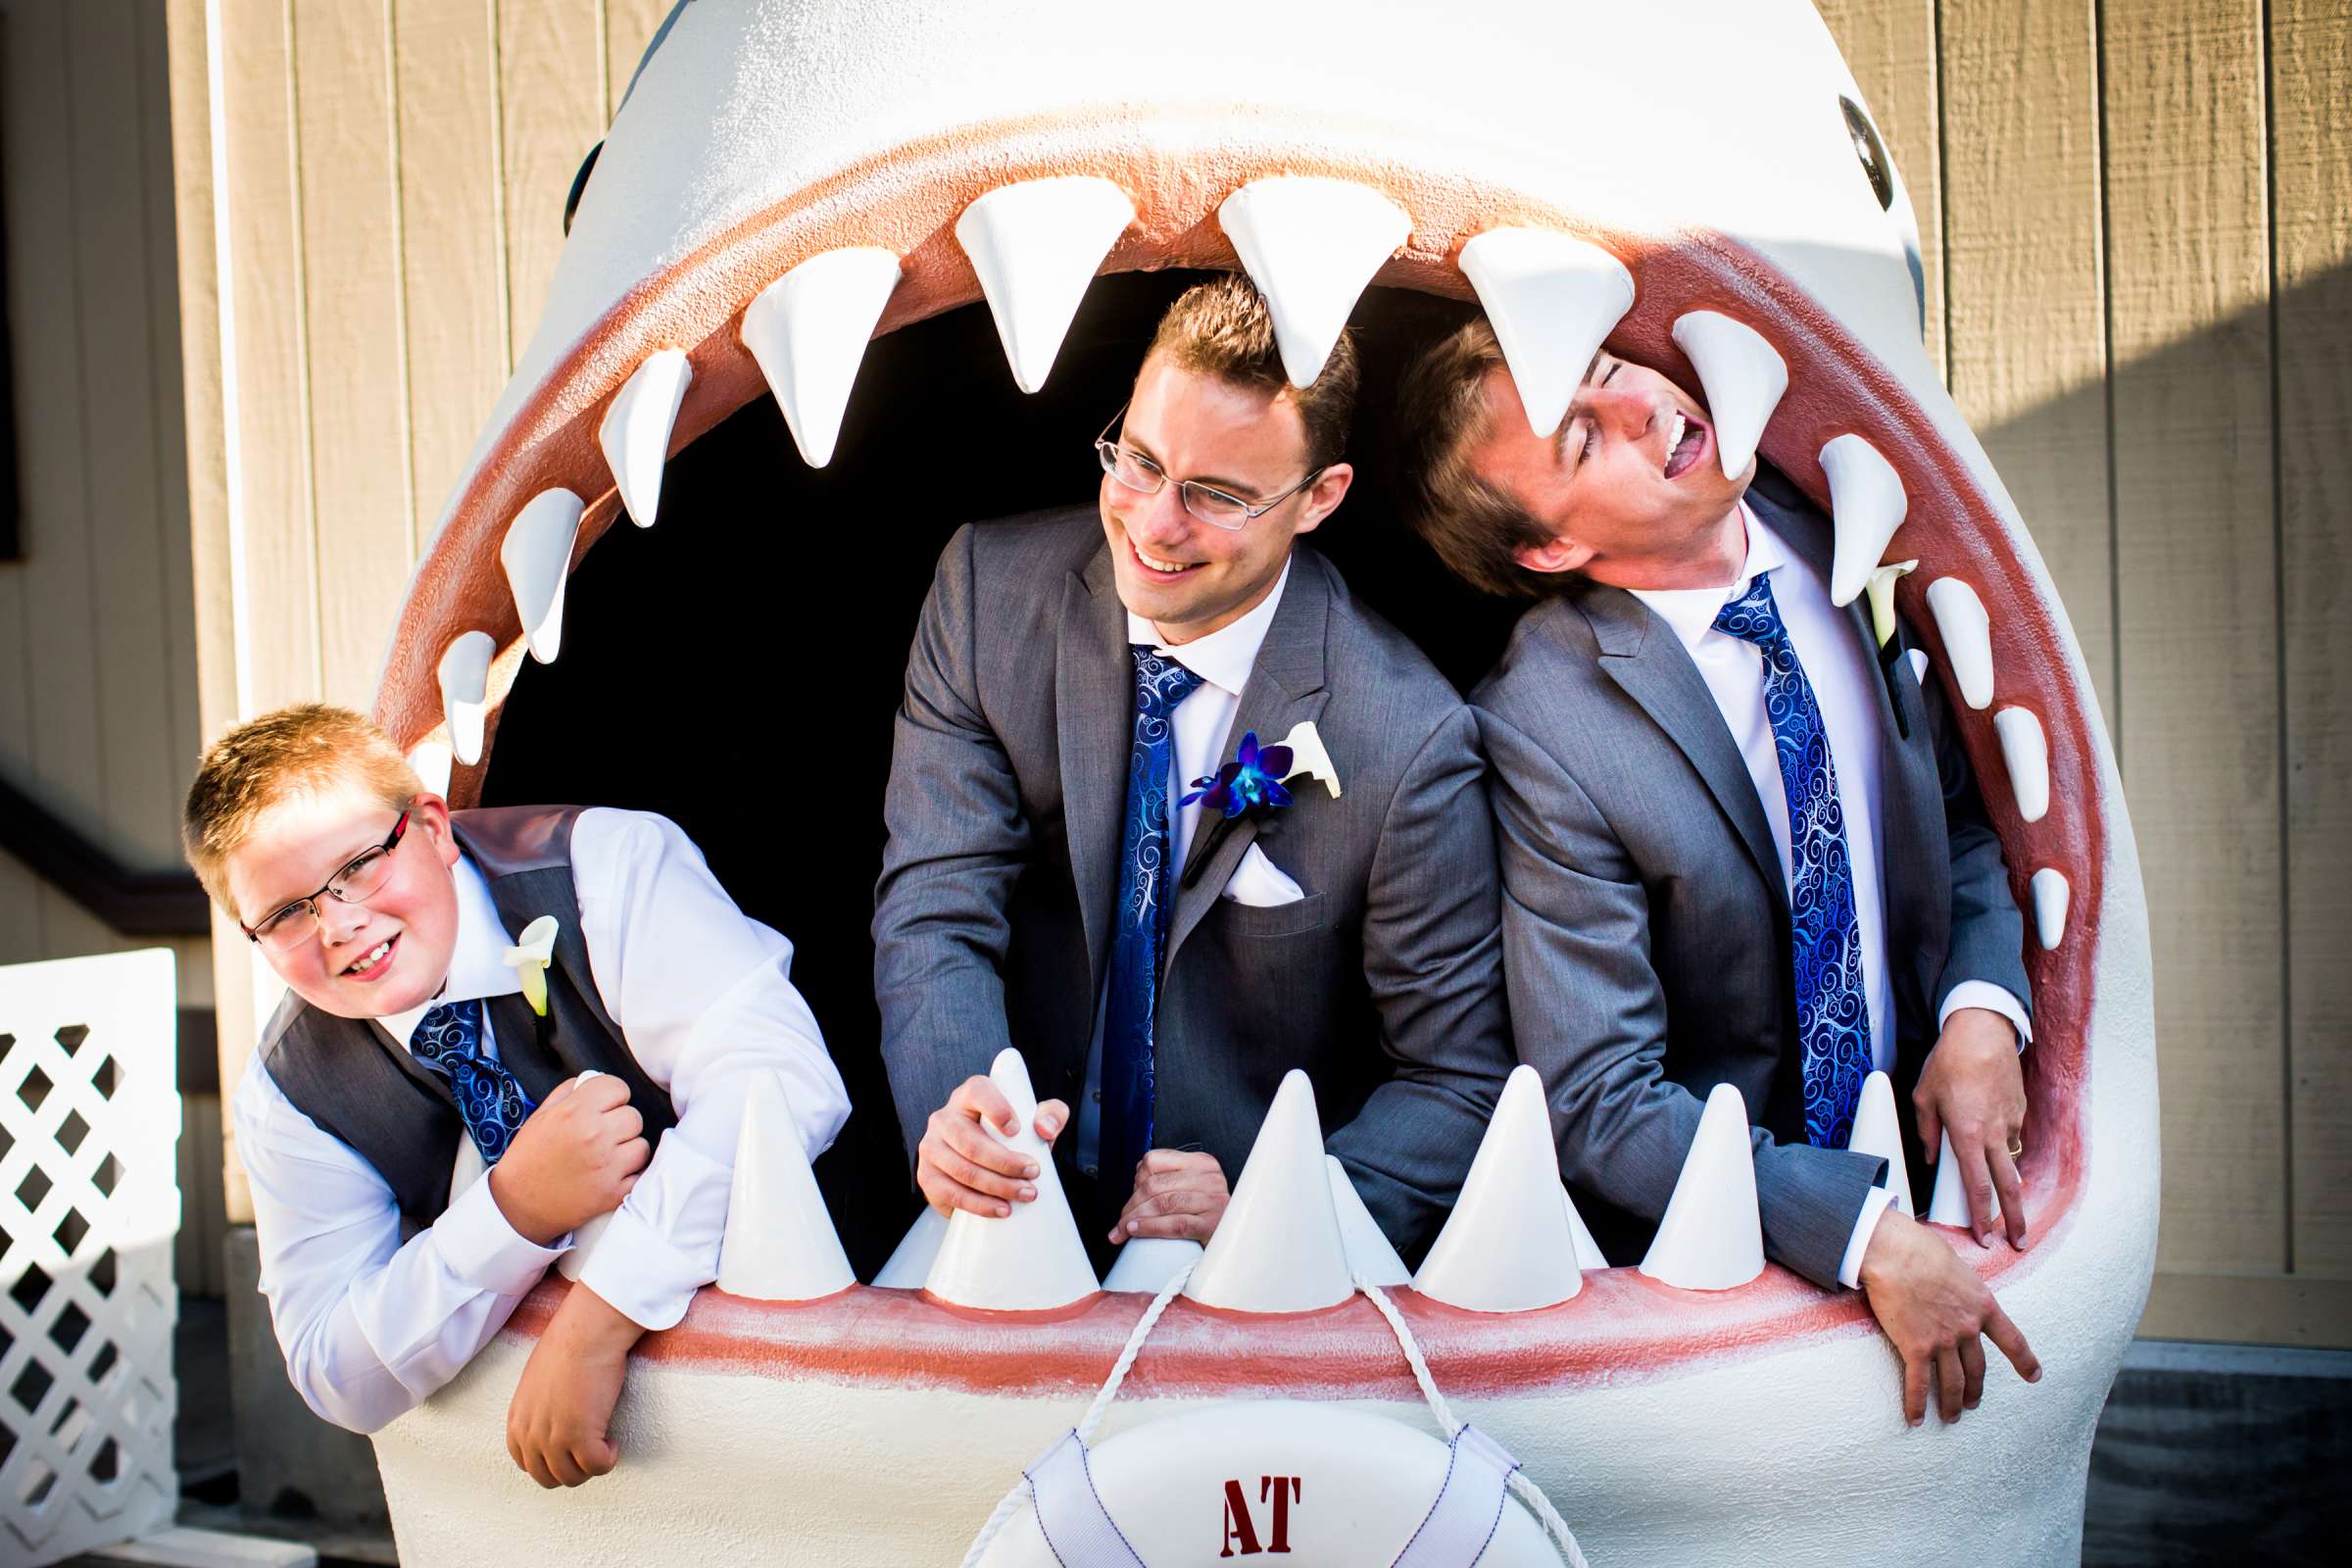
column 574, row 1157
column 958, row 1165
column 1176, row 1194
column 1936, row 1312
column 557, row 1422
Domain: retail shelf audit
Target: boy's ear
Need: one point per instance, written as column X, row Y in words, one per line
column 430, row 813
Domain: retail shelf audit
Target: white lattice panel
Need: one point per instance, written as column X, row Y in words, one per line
column 90, row 1201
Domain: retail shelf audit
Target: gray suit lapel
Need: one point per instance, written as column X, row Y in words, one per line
column 1094, row 701
column 1649, row 662
column 1285, row 686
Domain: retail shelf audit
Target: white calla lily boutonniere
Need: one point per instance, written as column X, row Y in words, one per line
column 531, row 955
column 1308, row 757
column 1882, row 597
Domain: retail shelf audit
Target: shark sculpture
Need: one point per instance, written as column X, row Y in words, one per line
column 791, row 184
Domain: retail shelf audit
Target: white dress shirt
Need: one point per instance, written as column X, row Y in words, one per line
column 703, row 997
column 1842, row 673
column 1202, row 726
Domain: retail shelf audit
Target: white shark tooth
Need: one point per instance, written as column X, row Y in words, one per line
column 2027, row 752
column 464, row 676
column 1867, row 504
column 1370, row 1254
column 1588, row 1255
column 1036, row 246
column 1712, row 1235
column 537, row 555
column 910, row 1261
column 1311, row 244
column 1919, row 667
column 1146, row 1263
column 1032, row 1258
column 635, row 432
column 808, row 331
column 2052, row 893
column 431, row 760
column 1949, row 1203
column 1743, row 376
column 1967, row 637
column 1506, row 1247
column 1277, row 1248
column 781, row 1244
column 1553, row 299
column 1878, row 1130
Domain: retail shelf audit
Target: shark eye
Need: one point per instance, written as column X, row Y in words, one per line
column 1871, row 151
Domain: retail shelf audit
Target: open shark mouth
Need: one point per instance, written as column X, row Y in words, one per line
column 756, row 228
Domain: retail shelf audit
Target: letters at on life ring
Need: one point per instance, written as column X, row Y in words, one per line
column 1313, row 1486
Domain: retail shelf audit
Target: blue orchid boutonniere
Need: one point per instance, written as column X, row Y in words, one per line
column 1256, row 780
column 1253, row 778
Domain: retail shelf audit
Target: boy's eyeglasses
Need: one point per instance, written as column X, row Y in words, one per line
column 1212, row 506
column 362, row 879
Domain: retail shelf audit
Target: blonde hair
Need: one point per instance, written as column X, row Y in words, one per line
column 1223, row 328
column 296, row 751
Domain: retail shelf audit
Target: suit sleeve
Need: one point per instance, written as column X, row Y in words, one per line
column 1988, row 930
column 1589, row 1015
column 957, row 842
column 1433, row 960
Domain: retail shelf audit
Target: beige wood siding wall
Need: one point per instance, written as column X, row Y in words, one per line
column 98, row 710
column 2140, row 277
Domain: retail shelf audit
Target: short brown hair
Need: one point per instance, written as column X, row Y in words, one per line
column 1443, row 411
column 1223, row 328
column 295, row 751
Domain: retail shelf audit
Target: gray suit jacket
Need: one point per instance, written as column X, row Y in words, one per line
column 1646, row 928
column 994, row 914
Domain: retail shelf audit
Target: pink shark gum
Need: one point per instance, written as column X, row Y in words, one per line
column 1615, row 1397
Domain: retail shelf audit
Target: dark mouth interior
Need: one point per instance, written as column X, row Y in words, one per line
column 738, row 666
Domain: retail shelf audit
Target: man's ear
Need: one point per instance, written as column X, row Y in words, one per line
column 1554, row 555
column 1324, row 496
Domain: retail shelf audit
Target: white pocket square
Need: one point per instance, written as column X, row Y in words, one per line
column 1261, row 884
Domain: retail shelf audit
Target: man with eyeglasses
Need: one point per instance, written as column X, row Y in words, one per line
column 565, row 999
column 1056, row 880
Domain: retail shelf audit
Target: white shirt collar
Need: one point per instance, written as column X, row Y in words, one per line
column 1691, row 612
column 1224, row 657
column 477, row 965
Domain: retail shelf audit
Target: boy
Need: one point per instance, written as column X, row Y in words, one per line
column 412, row 1029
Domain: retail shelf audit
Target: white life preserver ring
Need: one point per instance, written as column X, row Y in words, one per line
column 1311, row 1486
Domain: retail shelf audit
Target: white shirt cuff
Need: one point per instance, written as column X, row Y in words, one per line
column 1993, row 999
column 663, row 1243
column 1849, row 1270
column 483, row 1250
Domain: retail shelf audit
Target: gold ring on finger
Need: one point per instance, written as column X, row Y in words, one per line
column 2017, row 1148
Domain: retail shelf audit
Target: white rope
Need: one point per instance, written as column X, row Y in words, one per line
column 1522, row 1487
column 1093, row 1418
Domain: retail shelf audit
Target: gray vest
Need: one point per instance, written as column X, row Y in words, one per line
column 354, row 1080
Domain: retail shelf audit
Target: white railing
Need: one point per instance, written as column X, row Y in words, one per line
column 90, row 1202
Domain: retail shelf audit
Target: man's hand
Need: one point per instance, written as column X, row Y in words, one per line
column 958, row 1165
column 1973, row 1088
column 574, row 1157
column 1177, row 1194
column 557, row 1421
column 1933, row 1307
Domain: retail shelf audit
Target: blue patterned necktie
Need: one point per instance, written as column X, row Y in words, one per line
column 449, row 1039
column 1147, row 894
column 1833, row 1018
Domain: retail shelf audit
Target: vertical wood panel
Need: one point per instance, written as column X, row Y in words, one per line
column 629, row 26
column 278, row 607
column 551, row 63
column 2198, row 711
column 168, row 391
column 126, row 636
column 447, row 77
column 60, row 754
column 2311, row 52
column 349, row 205
column 2028, row 352
column 1891, row 47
